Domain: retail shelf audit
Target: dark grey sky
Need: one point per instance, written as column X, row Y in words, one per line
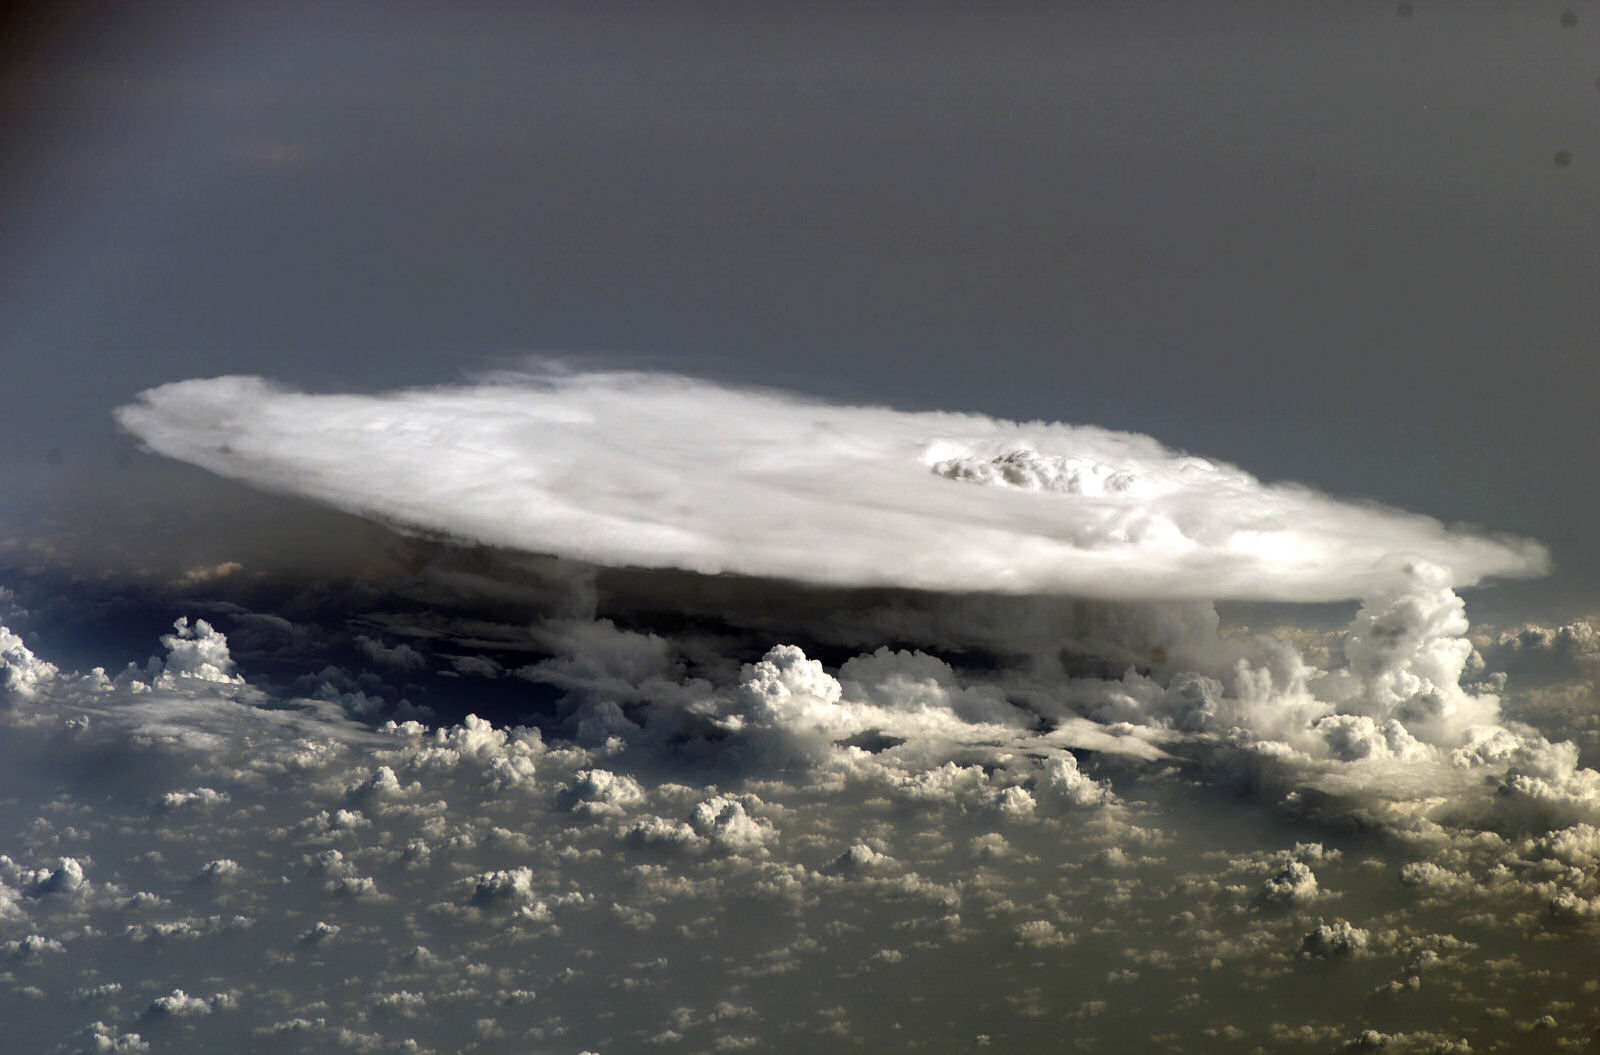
column 1356, row 245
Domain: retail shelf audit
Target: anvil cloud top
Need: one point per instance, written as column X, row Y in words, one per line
column 663, row 471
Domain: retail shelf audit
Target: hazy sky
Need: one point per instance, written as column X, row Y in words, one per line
column 680, row 714
column 1351, row 244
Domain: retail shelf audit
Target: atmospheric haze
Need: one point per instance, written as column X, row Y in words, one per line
column 692, row 527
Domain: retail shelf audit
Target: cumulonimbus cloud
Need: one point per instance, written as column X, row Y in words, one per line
column 664, row 471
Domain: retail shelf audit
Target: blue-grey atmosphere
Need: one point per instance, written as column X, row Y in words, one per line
column 799, row 527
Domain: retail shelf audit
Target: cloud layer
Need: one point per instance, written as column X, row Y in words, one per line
column 661, row 471
column 193, row 861
column 964, row 711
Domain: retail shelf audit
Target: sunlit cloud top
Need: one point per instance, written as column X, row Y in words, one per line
column 663, row 471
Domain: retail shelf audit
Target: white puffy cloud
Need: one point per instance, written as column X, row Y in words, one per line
column 655, row 831
column 1336, row 939
column 1407, row 650
column 1577, row 846
column 1433, row 878
column 179, row 1004
column 21, row 672
column 199, row 798
column 1040, row 934
column 1567, row 906
column 318, row 933
column 724, row 821
column 33, row 946
column 67, row 877
column 791, row 706
column 909, row 682
column 223, row 868
column 512, row 885
column 1062, row 782
column 1014, row 803
column 1535, row 648
column 858, row 859
column 1293, row 884
column 667, row 472
column 787, row 709
column 101, row 1037
column 1354, row 737
column 596, row 792
column 381, row 785
column 505, row 758
column 197, row 651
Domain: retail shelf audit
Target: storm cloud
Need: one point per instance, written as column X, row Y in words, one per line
column 663, row 471
column 591, row 707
